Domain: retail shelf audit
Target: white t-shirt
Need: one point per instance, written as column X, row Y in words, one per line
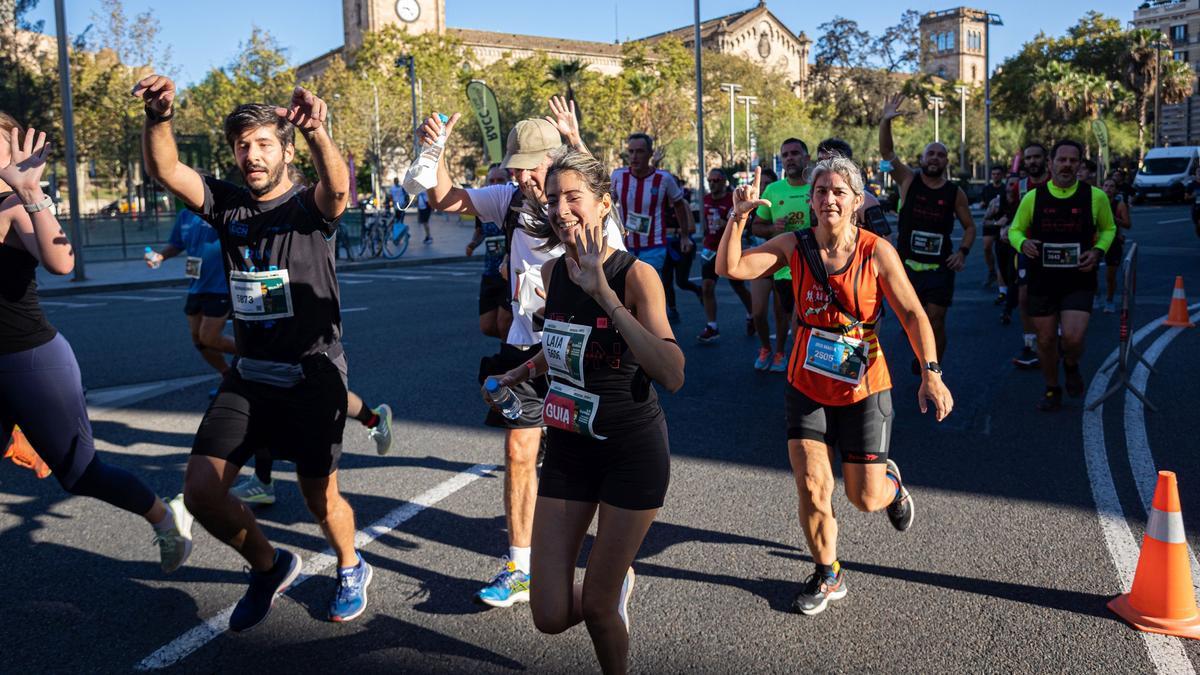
column 525, row 260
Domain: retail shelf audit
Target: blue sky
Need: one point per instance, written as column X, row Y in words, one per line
column 205, row 33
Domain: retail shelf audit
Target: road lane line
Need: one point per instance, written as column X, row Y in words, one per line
column 1165, row 652
column 136, row 298
column 184, row 645
column 70, row 305
column 354, row 309
column 1173, row 220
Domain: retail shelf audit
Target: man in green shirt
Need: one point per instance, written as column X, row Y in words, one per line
column 788, row 212
column 1063, row 228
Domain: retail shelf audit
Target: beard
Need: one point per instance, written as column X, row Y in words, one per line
column 933, row 171
column 793, row 171
column 274, row 177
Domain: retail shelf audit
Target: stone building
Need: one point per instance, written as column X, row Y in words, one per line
column 953, row 44
column 1179, row 22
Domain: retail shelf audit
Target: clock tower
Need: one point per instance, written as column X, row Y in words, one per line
column 364, row 16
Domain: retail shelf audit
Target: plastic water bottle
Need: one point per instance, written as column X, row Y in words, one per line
column 153, row 258
column 422, row 173
column 503, row 398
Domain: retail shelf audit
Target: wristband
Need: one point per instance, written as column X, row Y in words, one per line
column 155, row 118
column 40, row 205
column 965, row 251
column 532, row 368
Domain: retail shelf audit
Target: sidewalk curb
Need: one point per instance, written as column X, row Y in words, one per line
column 165, row 283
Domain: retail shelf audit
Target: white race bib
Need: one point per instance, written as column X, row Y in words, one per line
column 191, row 267
column 926, row 243
column 260, row 296
column 494, row 245
column 1060, row 256
column 638, row 222
column 571, row 409
column 564, row 345
column 836, row 356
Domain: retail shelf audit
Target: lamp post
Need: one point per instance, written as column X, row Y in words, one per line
column 64, row 83
column 733, row 89
column 989, row 20
column 962, row 127
column 937, row 103
column 748, row 101
column 700, row 183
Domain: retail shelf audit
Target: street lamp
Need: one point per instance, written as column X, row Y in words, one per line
column 989, row 20
column 937, row 103
column 962, row 128
column 749, row 101
column 733, row 89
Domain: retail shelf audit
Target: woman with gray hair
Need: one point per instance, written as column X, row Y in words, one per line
column 606, row 337
column 840, row 391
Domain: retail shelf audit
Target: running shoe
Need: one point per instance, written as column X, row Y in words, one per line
column 764, row 359
column 253, row 491
column 427, row 240
column 507, row 588
column 779, row 363
column 818, row 591
column 264, row 587
column 672, row 315
column 1110, row 307
column 350, row 600
column 1001, row 298
column 381, row 433
column 750, row 326
column 1074, row 381
column 708, row 336
column 1051, row 400
column 900, row 512
column 623, row 602
column 1027, row 359
column 175, row 544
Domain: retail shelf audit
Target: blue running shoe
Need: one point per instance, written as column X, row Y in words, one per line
column 507, row 588
column 256, row 604
column 350, row 601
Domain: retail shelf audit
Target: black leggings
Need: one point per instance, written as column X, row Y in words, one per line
column 1006, row 262
column 41, row 391
column 677, row 267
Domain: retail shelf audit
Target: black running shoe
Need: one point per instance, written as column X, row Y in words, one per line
column 1051, row 400
column 818, row 591
column 264, row 587
column 1027, row 359
column 1001, row 299
column 900, row 512
column 1074, row 381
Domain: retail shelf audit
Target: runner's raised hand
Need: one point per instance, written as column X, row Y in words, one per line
column 27, row 160
column 429, row 131
column 305, row 110
column 158, row 92
column 745, row 197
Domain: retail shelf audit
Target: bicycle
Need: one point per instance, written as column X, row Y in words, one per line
column 395, row 243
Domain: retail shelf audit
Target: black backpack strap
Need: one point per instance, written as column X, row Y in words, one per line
column 812, row 258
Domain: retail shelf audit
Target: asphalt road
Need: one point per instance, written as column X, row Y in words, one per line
column 1007, row 568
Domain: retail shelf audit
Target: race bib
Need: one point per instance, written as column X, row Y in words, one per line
column 571, row 409
column 927, row 243
column 836, row 356
column 564, row 345
column 494, row 245
column 1060, row 256
column 191, row 267
column 260, row 296
column 637, row 222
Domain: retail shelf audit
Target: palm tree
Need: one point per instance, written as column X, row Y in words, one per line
column 1140, row 72
column 567, row 74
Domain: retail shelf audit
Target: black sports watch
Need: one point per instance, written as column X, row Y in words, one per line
column 933, row 367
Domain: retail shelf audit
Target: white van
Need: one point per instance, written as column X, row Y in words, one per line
column 1166, row 172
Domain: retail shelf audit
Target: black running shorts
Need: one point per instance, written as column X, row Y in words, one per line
column 708, row 270
column 629, row 470
column 1050, row 302
column 213, row 305
column 933, row 287
column 302, row 424
column 860, row 432
column 991, row 230
column 493, row 294
column 531, row 392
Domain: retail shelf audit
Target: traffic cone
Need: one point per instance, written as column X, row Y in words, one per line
column 1162, row 599
column 1178, row 315
column 23, row 454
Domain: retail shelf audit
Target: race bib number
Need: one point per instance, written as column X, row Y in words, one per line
column 927, row 243
column 260, row 296
column 707, row 254
column 494, row 245
column 571, row 409
column 836, row 356
column 1060, row 256
column 637, row 222
column 564, row 345
column 191, row 267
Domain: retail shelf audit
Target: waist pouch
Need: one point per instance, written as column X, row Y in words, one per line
column 286, row 375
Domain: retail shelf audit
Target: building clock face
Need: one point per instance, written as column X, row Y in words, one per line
column 408, row 10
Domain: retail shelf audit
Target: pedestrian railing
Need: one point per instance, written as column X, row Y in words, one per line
column 1127, row 355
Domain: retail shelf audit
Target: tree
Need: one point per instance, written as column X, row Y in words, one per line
column 27, row 87
column 1142, row 65
column 567, row 74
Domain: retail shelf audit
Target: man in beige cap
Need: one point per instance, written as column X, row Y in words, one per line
column 517, row 208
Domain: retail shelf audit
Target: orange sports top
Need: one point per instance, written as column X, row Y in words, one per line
column 857, row 287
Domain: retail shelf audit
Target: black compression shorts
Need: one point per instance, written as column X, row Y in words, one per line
column 213, row 305
column 629, row 470
column 860, row 432
column 991, row 230
column 933, row 287
column 493, row 294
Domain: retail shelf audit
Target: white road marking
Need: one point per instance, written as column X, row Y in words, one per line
column 137, row 298
column 70, row 305
column 117, row 397
column 184, row 645
column 168, row 291
column 1174, row 220
column 1166, row 652
column 347, row 310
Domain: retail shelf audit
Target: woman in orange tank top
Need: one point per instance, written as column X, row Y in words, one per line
column 839, row 391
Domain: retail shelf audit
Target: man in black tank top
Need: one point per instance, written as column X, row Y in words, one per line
column 929, row 205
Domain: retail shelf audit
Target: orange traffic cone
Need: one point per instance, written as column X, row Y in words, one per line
column 23, row 454
column 1178, row 315
column 1162, row 599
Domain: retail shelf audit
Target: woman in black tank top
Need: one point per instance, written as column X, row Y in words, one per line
column 606, row 337
column 40, row 388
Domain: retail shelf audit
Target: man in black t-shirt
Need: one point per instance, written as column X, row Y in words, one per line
column 288, row 390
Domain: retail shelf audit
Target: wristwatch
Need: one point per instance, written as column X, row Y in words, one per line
column 933, row 367
column 40, row 205
column 964, row 251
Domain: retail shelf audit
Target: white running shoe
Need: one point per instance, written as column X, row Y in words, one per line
column 382, row 433
column 175, row 545
column 623, row 602
column 253, row 491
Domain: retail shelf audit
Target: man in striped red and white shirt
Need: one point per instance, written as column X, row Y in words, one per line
column 644, row 195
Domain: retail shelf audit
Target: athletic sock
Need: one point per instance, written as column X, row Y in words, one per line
column 1030, row 340
column 519, row 555
column 367, row 417
column 166, row 524
column 712, row 325
column 896, row 483
column 829, row 571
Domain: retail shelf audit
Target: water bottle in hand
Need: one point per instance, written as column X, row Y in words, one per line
column 422, row 173
column 503, row 398
column 153, row 259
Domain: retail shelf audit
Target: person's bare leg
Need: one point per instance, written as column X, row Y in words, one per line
column 216, row 343
column 1110, row 278
column 488, row 324
column 868, row 487
column 520, row 483
column 206, row 495
column 1046, row 328
column 989, row 256
column 504, row 319
column 743, row 293
column 619, row 535
column 709, row 290
column 333, row 514
column 760, row 296
column 1074, row 329
column 559, row 526
column 813, row 474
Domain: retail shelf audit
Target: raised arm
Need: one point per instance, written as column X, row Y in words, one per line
column 308, row 113
column 159, row 152
column 445, row 196
column 732, row 263
column 562, row 116
column 900, row 171
column 40, row 233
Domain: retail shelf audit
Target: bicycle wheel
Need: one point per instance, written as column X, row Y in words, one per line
column 395, row 247
column 343, row 243
column 372, row 243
